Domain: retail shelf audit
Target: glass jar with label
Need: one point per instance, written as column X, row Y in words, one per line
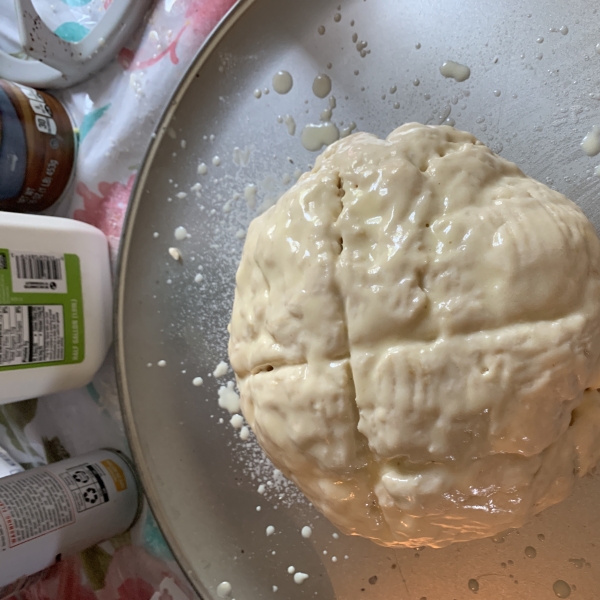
column 55, row 304
column 38, row 146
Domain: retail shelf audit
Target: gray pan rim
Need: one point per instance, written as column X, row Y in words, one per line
column 145, row 476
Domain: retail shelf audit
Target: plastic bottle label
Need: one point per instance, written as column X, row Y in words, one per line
column 86, row 485
column 58, row 501
column 59, row 509
column 7, row 465
column 116, row 474
column 24, row 520
column 41, row 310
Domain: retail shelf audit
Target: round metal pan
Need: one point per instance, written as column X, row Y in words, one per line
column 530, row 99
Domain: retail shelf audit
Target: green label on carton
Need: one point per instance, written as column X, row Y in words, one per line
column 41, row 310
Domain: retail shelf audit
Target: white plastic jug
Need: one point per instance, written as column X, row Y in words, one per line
column 55, row 304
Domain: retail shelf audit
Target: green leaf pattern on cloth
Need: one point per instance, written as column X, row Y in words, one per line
column 95, row 561
column 54, row 449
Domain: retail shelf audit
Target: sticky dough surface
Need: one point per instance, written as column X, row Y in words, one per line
column 414, row 328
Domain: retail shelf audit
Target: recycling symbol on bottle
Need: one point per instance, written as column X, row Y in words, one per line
column 81, row 477
column 90, row 495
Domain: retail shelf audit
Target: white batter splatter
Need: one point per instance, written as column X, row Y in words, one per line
column 300, row 577
column 237, row 421
column 282, row 82
column 290, row 124
column 315, row 136
column 228, row 398
column 455, row 71
column 250, row 194
column 306, row 532
column 221, row 369
column 181, row 234
column 591, row 142
column 175, row 254
column 321, row 86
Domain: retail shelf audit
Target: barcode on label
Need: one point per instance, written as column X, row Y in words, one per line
column 36, row 266
column 38, row 273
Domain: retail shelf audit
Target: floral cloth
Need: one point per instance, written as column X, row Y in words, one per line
column 116, row 111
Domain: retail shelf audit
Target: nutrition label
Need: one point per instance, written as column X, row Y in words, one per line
column 41, row 310
column 24, row 520
column 31, row 334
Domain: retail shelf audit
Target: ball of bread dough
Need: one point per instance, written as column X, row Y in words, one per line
column 416, row 338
